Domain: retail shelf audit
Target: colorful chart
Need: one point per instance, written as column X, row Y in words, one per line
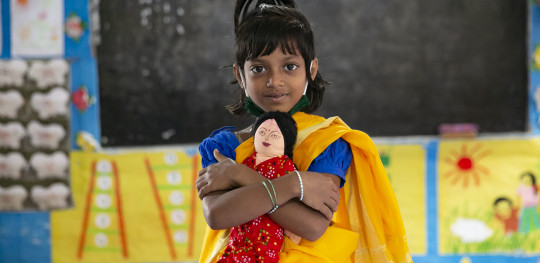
column 405, row 166
column 479, row 206
column 131, row 207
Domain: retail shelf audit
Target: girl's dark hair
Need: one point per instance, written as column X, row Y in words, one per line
column 269, row 25
column 286, row 124
column 501, row 199
column 533, row 180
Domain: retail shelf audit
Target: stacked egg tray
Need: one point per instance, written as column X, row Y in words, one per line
column 34, row 135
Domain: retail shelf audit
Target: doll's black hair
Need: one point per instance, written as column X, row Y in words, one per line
column 286, row 124
column 533, row 180
column 268, row 25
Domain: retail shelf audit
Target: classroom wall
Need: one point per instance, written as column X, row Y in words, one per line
column 399, row 67
column 149, row 211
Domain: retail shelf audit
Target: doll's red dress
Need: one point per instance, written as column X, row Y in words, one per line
column 260, row 239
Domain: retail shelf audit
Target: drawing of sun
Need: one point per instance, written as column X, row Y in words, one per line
column 465, row 165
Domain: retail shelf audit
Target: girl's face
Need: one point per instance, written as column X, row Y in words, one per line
column 526, row 180
column 269, row 140
column 275, row 82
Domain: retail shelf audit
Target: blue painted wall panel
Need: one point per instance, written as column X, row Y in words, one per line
column 25, row 237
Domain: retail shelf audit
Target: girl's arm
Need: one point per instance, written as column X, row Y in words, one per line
column 249, row 199
column 301, row 219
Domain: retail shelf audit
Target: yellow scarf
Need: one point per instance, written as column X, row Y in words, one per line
column 367, row 226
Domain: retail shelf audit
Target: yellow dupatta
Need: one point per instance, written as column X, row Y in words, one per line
column 367, row 226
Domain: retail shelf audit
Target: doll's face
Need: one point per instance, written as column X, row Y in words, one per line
column 269, row 140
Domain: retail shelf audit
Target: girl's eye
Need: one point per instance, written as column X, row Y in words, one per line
column 257, row 69
column 291, row 67
column 262, row 133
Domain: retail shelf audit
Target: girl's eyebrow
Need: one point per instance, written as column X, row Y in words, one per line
column 291, row 56
column 286, row 58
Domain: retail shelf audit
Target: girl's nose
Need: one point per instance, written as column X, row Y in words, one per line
column 275, row 79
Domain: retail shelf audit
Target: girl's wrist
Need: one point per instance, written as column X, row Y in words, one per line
column 247, row 178
column 288, row 187
column 297, row 189
column 301, row 184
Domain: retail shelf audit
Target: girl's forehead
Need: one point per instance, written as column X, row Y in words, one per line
column 288, row 50
column 277, row 56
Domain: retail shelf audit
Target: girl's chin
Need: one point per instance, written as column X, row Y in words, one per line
column 278, row 107
column 282, row 109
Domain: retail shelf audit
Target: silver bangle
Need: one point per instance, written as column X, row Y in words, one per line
column 273, row 209
column 301, row 185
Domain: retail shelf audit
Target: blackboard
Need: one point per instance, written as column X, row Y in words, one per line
column 396, row 67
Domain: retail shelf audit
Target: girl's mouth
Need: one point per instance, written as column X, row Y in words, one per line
column 265, row 144
column 276, row 97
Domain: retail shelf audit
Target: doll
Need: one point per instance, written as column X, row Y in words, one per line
column 260, row 239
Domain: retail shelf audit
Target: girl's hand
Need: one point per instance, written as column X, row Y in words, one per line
column 220, row 176
column 321, row 192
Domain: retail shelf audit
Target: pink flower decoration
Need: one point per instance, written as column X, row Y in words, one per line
column 82, row 100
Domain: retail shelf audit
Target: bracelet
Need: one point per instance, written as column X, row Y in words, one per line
column 274, row 190
column 273, row 209
column 275, row 197
column 269, row 194
column 274, row 204
column 301, row 185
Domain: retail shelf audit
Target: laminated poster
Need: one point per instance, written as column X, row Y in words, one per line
column 37, row 28
column 488, row 197
column 131, row 207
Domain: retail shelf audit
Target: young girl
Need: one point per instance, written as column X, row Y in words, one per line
column 528, row 196
column 340, row 204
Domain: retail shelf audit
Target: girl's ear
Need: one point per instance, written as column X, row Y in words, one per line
column 237, row 72
column 314, row 68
